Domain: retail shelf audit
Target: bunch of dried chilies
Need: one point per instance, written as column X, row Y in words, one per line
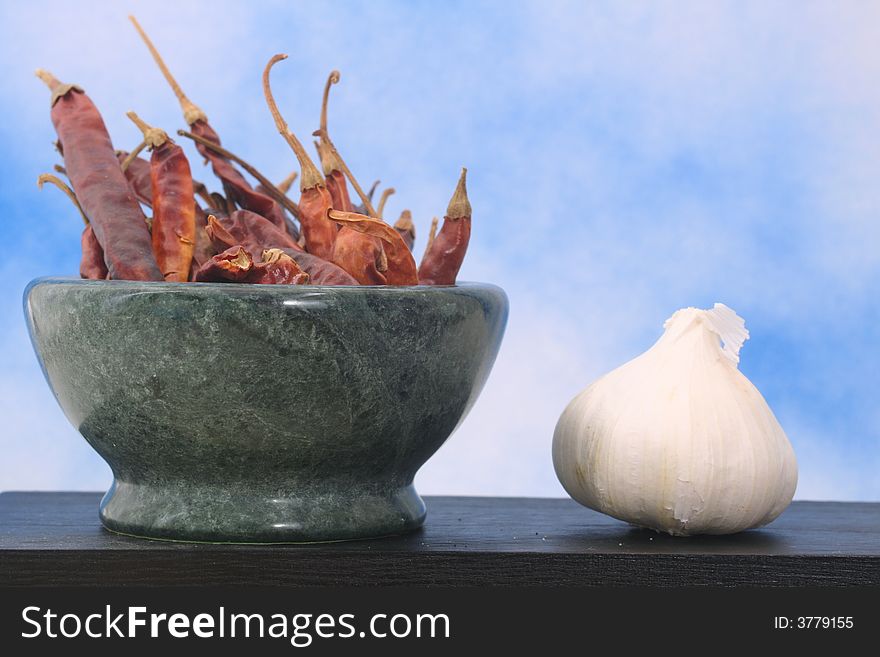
column 249, row 233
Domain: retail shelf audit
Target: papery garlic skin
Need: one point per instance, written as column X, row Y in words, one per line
column 678, row 439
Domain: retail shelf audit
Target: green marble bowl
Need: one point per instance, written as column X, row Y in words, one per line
column 263, row 413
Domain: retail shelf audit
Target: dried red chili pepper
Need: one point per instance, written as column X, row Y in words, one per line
column 407, row 229
column 278, row 268
column 257, row 234
column 235, row 183
column 101, row 187
column 444, row 254
column 174, row 209
column 236, row 265
column 315, row 200
column 252, row 231
column 223, row 239
column 91, row 264
column 204, row 249
column 401, row 266
column 265, row 183
column 334, row 179
column 321, row 271
column 233, row 266
column 137, row 172
column 359, row 254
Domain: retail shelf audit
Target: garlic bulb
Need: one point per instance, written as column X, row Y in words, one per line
column 678, row 439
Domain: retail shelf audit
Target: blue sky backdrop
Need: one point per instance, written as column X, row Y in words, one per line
column 625, row 160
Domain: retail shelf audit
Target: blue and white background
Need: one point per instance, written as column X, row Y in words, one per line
column 625, row 159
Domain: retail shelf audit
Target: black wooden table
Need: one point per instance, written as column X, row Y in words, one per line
column 55, row 539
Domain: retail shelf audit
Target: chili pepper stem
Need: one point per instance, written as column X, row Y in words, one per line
column 329, row 162
column 405, row 222
column 385, row 194
column 325, row 138
column 191, row 112
column 50, row 80
column 153, row 137
column 332, row 79
column 230, row 201
column 277, row 194
column 459, row 205
column 311, row 177
column 60, row 184
column 201, row 190
column 131, row 157
column 57, row 87
column 432, row 234
column 285, row 185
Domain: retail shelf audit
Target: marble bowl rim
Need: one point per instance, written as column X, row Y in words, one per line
column 259, row 288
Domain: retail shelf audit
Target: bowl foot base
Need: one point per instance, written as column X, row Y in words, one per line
column 229, row 514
